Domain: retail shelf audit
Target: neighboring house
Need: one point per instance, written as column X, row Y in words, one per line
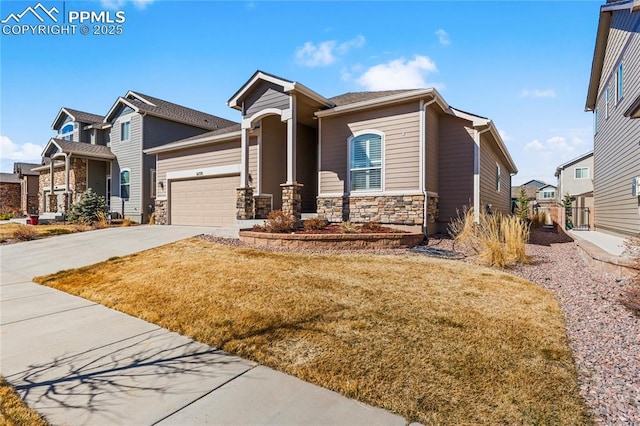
column 10, row 191
column 614, row 97
column 546, row 196
column 575, row 178
column 402, row 157
column 19, row 190
column 531, row 190
column 104, row 153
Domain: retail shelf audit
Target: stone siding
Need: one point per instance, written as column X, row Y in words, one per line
column 292, row 199
column 77, row 182
column 262, row 206
column 396, row 209
column 10, row 198
column 161, row 213
column 244, row 203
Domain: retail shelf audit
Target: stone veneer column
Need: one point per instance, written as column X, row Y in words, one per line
column 160, row 217
column 262, row 206
column 53, row 203
column 244, row 203
column 292, row 199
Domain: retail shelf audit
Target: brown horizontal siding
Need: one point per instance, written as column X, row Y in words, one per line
column 456, row 167
column 489, row 159
column 400, row 125
column 432, row 160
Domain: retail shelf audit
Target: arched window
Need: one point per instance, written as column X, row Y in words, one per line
column 67, row 132
column 365, row 162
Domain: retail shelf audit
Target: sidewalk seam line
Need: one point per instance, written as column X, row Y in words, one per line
column 52, row 313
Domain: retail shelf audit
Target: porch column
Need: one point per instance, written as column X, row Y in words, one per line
column 53, row 204
column 67, row 195
column 291, row 140
column 244, row 194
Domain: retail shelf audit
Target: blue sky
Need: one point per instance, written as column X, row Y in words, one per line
column 524, row 64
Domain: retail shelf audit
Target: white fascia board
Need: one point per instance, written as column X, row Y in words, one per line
column 232, row 169
column 132, row 93
column 195, row 142
column 286, row 85
column 304, row 90
column 115, row 105
column 62, row 110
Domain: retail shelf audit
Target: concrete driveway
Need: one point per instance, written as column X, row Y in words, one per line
column 78, row 362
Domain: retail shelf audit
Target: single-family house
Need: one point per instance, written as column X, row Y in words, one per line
column 19, row 190
column 402, row 157
column 614, row 98
column 105, row 153
column 546, row 196
column 575, row 179
column 531, row 191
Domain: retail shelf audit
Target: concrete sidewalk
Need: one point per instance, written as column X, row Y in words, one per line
column 612, row 244
column 78, row 362
column 605, row 252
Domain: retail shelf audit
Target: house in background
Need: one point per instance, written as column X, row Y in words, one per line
column 402, row 157
column 19, row 190
column 614, row 98
column 575, row 178
column 546, row 196
column 531, row 189
column 104, row 153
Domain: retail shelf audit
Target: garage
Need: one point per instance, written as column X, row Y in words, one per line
column 203, row 202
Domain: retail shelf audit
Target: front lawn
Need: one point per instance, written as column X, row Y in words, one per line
column 13, row 411
column 435, row 341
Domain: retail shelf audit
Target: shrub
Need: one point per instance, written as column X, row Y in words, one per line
column 258, row 228
column 631, row 300
column 371, row 226
column 86, row 210
column 280, row 222
column 6, row 216
column 315, row 224
column 348, row 228
column 522, row 208
column 539, row 218
column 152, row 219
column 126, row 222
column 25, row 233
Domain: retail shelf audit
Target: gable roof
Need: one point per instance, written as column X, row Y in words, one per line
column 220, row 135
column 547, row 186
column 145, row 104
column 77, row 116
column 353, row 97
column 25, row 169
column 78, row 148
column 287, row 85
column 535, row 182
column 573, row 161
column 602, row 36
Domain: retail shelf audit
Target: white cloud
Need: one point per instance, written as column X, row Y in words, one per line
column 27, row 152
column 443, row 37
column 534, row 145
column 538, row 93
column 119, row 4
column 325, row 53
column 399, row 74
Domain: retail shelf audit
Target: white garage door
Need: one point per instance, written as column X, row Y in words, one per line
column 208, row 202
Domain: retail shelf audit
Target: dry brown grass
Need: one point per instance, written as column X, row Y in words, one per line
column 434, row 341
column 13, row 411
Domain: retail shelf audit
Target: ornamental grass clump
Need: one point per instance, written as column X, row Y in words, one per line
column 25, row 233
column 314, row 224
column 499, row 240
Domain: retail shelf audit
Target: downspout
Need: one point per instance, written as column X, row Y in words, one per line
column 476, row 175
column 423, row 162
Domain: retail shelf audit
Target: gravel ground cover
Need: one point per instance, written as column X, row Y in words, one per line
column 603, row 334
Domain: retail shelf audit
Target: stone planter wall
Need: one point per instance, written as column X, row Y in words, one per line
column 397, row 209
column 161, row 213
column 331, row 241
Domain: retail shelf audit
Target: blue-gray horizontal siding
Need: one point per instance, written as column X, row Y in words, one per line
column 129, row 156
column 616, row 144
column 265, row 95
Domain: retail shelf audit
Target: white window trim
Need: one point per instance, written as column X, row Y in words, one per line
column 382, row 162
column 606, row 103
column 498, row 177
column 154, row 186
column 121, row 124
column 581, row 168
column 120, row 183
column 619, row 82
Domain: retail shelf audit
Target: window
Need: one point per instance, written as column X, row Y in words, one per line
column 124, row 130
column 365, row 162
column 153, row 183
column 619, row 83
column 595, row 121
column 498, row 177
column 548, row 193
column 125, row 184
column 66, row 132
column 582, row 173
column 606, row 103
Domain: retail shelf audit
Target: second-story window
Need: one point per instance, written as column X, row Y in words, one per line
column 582, row 173
column 66, row 132
column 125, row 128
column 619, row 83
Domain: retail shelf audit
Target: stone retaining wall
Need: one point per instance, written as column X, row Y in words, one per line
column 161, row 213
column 10, row 198
column 332, row 241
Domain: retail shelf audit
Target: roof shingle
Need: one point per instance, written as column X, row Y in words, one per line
column 85, row 117
column 353, row 97
column 81, row 148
